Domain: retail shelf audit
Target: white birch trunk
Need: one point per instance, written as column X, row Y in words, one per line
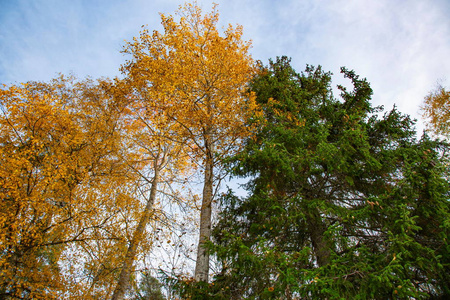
column 202, row 262
column 124, row 278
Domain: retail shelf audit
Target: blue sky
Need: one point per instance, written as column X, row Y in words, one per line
column 401, row 47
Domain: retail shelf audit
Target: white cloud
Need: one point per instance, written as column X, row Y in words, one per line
column 402, row 47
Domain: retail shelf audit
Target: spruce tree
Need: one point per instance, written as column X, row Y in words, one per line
column 343, row 201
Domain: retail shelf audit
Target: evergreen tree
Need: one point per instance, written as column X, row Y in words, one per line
column 344, row 203
column 148, row 288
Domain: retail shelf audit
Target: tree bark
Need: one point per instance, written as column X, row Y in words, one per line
column 202, row 263
column 317, row 229
column 124, row 278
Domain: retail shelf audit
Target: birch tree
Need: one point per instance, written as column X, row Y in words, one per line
column 63, row 184
column 436, row 111
column 161, row 158
column 197, row 77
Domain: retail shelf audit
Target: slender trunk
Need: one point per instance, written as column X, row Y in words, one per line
column 317, row 229
column 124, row 278
column 202, row 263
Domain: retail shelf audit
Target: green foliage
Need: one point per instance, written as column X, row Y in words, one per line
column 344, row 203
column 147, row 288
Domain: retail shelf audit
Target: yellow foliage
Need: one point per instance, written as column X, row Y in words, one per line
column 436, row 109
column 194, row 80
column 63, row 183
column 194, row 77
column 75, row 155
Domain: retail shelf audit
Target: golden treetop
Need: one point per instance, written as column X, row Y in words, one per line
column 194, row 75
column 436, row 108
